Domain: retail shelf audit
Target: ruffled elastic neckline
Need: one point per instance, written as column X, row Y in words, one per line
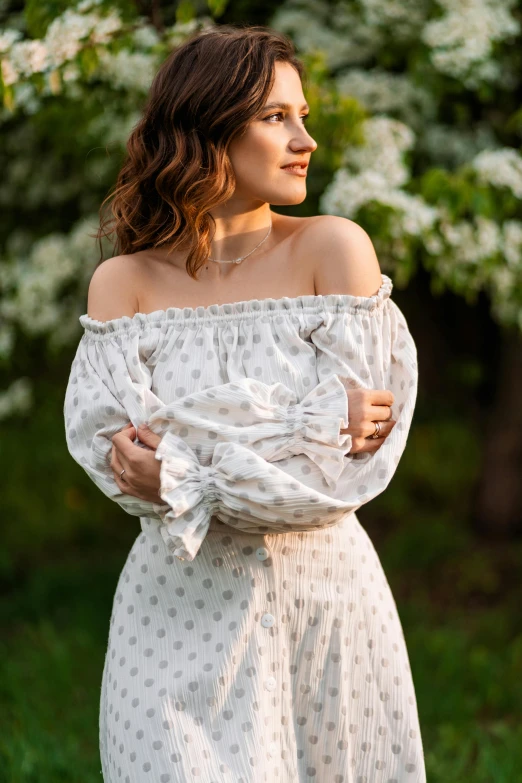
column 244, row 309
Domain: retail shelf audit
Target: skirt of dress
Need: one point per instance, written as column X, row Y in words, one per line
column 275, row 657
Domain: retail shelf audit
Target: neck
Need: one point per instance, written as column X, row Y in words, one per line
column 237, row 235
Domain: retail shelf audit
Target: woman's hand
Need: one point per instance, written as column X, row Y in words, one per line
column 365, row 407
column 142, row 470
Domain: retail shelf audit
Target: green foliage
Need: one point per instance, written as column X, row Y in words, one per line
column 39, row 15
column 463, row 197
column 217, row 7
column 185, row 11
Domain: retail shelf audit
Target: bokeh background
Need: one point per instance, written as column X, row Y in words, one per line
column 416, row 107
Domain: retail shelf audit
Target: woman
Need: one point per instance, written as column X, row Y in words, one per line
column 253, row 634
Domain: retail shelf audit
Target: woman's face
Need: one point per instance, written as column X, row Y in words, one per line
column 276, row 138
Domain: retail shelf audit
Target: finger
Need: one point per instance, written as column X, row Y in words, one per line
column 381, row 397
column 365, row 444
column 123, row 442
column 128, row 432
column 148, row 437
column 373, row 444
column 385, row 427
column 116, row 465
column 124, row 429
column 381, row 412
column 124, row 487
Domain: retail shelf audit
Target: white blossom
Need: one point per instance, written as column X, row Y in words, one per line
column 473, row 240
column 347, row 193
column 375, row 172
column 71, row 72
column 343, row 37
column 86, row 5
column 462, row 39
column 386, row 141
column 512, row 243
column 38, row 278
column 8, row 38
column 106, row 27
column 18, row 397
column 65, row 34
column 145, row 37
column 388, row 93
column 26, row 97
column 177, row 33
column 27, row 57
column 403, row 18
column 500, row 168
column 127, row 70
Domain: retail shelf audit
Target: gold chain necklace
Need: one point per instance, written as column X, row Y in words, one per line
column 242, row 258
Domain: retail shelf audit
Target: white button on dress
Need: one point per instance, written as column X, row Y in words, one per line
column 185, row 692
column 267, row 620
column 270, row 683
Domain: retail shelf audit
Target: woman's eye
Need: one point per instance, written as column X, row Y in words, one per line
column 279, row 114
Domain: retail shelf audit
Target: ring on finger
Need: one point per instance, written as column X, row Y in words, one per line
column 377, row 431
column 121, row 474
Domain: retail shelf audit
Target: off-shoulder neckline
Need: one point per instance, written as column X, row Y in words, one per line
column 243, row 309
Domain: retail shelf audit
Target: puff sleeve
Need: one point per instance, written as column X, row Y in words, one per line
column 366, row 343
column 107, row 388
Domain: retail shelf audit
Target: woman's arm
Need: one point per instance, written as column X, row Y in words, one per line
column 102, row 399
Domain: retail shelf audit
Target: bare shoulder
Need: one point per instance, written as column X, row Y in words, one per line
column 342, row 256
column 113, row 288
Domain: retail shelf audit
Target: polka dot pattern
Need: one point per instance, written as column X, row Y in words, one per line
column 273, row 650
column 266, row 418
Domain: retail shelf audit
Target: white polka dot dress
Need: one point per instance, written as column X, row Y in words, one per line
column 253, row 635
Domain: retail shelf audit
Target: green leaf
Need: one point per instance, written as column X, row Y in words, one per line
column 185, row 12
column 217, row 7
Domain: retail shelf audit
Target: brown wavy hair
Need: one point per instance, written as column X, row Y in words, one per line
column 177, row 167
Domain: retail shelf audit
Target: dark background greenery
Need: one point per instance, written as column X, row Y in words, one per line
column 454, row 573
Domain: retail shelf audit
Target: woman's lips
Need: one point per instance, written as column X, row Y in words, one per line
column 300, row 171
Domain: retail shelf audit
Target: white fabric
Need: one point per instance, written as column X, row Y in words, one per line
column 259, row 494
column 236, row 488
column 268, row 419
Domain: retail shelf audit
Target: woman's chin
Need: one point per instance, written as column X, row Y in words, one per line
column 286, row 198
